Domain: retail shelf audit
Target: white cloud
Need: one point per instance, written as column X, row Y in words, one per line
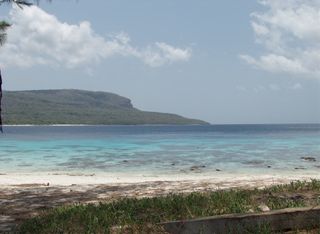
column 289, row 30
column 38, row 38
column 164, row 54
column 275, row 63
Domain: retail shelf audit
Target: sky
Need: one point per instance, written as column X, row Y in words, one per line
column 225, row 62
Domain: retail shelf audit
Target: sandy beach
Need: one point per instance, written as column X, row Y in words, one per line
column 91, row 179
column 26, row 195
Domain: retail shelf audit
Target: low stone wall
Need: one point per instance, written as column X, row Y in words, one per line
column 274, row 221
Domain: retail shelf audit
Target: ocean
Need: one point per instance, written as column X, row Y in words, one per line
column 161, row 150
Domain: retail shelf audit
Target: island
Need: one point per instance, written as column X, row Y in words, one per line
column 69, row 106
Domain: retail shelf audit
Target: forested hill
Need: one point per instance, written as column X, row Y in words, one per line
column 79, row 107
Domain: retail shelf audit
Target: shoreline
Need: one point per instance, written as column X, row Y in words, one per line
column 92, row 179
column 209, row 124
column 79, row 125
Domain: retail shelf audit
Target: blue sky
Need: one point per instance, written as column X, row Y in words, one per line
column 220, row 61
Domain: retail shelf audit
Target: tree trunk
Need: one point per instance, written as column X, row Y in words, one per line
column 1, row 103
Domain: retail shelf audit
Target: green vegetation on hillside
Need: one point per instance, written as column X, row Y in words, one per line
column 79, row 107
column 144, row 215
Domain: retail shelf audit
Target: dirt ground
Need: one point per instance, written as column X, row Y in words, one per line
column 20, row 202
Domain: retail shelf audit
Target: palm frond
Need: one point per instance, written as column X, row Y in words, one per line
column 21, row 2
column 18, row 2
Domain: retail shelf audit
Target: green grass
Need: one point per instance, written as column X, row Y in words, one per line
column 143, row 215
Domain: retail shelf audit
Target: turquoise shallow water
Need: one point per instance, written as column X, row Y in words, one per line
column 160, row 149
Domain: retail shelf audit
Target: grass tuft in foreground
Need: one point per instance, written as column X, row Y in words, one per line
column 143, row 215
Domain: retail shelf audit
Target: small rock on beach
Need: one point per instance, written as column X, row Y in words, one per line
column 299, row 168
column 309, row 159
column 195, row 168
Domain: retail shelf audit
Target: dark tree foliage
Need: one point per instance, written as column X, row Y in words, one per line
column 19, row 2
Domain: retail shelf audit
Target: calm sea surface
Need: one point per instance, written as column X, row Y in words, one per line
column 160, row 149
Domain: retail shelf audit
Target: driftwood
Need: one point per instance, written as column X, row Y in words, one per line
column 274, row 221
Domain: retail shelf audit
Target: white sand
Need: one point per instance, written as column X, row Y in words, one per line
column 58, row 179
